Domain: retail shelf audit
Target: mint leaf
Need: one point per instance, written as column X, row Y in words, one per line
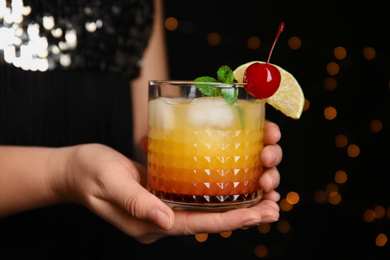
column 230, row 95
column 205, row 79
column 225, row 74
column 207, row 89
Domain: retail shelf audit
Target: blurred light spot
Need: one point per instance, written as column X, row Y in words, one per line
column 341, row 141
column 332, row 68
column 331, row 187
column 353, row 150
column 284, row 205
column 283, row 226
column 294, row 43
column 65, row 60
column 226, row 234
column 171, row 23
column 201, row 237
column 90, row 26
column 334, row 198
column 369, row 53
column 57, row 33
column 330, row 113
column 369, row 215
column 261, row 251
column 381, row 240
column 264, row 228
column 340, row 52
column 306, row 106
column 214, row 39
column 292, row 198
column 253, row 42
column 320, row 196
column 376, row 125
column 340, row 177
column 48, row 22
column 380, row 211
column 330, row 84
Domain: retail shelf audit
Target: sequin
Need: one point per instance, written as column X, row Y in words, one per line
column 108, row 35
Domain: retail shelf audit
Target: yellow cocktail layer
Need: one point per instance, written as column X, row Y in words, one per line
column 204, row 161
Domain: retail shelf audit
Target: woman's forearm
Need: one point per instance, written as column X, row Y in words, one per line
column 28, row 178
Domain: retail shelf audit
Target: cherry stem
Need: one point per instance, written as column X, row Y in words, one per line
column 280, row 30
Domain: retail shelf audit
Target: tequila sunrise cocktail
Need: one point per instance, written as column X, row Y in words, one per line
column 203, row 153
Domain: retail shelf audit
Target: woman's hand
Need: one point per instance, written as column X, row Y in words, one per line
column 108, row 184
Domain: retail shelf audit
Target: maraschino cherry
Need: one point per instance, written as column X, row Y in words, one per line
column 263, row 79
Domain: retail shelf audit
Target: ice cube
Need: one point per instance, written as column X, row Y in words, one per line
column 160, row 113
column 212, row 112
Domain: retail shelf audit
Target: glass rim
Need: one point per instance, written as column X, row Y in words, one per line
column 191, row 83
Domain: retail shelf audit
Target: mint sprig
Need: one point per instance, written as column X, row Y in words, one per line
column 225, row 75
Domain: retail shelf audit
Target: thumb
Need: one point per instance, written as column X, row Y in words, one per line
column 143, row 205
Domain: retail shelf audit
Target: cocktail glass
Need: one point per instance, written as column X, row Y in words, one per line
column 203, row 153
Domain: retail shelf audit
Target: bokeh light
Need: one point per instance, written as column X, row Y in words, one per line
column 294, row 43
column 341, row 141
column 369, row 215
column 261, row 251
column 283, row 226
column 253, row 42
column 334, row 198
column 171, row 23
column 226, row 234
column 369, row 53
column 340, row 177
column 340, row 52
column 214, row 38
column 292, row 198
column 376, row 125
column 330, row 113
column 380, row 211
column 306, row 106
column 381, row 240
column 264, row 228
column 353, row 150
column 285, row 206
column 201, row 237
column 330, row 84
column 332, row 68
column 320, row 197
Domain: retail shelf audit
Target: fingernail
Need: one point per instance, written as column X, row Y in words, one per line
column 251, row 222
column 274, row 156
column 273, row 181
column 269, row 220
column 161, row 219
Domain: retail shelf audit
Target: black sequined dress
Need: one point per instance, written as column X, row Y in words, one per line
column 71, row 88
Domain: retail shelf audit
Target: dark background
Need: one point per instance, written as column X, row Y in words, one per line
column 318, row 230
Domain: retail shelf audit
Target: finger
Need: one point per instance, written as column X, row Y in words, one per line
column 197, row 222
column 141, row 230
column 270, row 179
column 272, row 196
column 143, row 205
column 271, row 155
column 187, row 223
column 272, row 133
column 122, row 190
column 144, row 144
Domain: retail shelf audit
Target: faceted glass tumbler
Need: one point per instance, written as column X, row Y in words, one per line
column 203, row 152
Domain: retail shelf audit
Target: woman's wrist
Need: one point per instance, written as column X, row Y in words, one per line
column 60, row 174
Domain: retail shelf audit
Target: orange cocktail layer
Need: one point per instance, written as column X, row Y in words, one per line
column 193, row 159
